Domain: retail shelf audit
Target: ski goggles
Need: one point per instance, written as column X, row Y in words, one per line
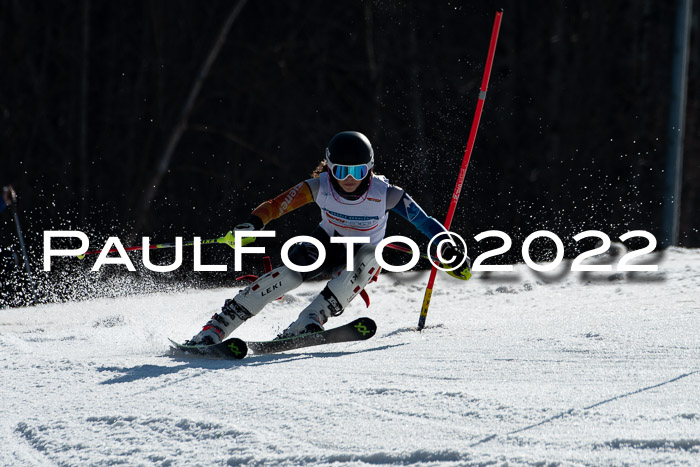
column 341, row 172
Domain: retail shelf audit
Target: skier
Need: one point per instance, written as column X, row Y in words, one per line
column 354, row 202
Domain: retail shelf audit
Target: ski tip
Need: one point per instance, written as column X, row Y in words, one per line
column 176, row 346
column 174, row 343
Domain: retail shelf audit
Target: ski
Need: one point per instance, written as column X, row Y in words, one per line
column 233, row 348
column 357, row 330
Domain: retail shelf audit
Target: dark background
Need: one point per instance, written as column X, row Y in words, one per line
column 573, row 134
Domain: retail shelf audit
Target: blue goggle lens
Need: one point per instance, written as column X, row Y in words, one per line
column 341, row 172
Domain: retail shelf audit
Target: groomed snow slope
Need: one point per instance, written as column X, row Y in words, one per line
column 602, row 369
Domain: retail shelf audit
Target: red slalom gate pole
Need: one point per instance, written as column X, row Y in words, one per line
column 465, row 160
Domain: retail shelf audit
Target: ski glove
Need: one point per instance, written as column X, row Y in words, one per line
column 8, row 195
column 245, row 226
column 253, row 223
column 463, row 272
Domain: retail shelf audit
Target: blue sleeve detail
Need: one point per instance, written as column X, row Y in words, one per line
column 409, row 210
column 2, row 204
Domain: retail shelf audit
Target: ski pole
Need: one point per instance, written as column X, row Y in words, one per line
column 408, row 250
column 13, row 208
column 228, row 239
column 465, row 160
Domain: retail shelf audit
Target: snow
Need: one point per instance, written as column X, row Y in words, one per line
column 513, row 368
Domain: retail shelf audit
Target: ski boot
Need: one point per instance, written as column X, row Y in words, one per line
column 246, row 304
column 337, row 294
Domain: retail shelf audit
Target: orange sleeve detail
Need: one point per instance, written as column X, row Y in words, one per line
column 288, row 201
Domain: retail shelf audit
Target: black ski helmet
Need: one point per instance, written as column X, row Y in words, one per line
column 350, row 148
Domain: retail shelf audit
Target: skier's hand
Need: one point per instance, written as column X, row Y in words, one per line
column 253, row 223
column 244, row 226
column 453, row 254
column 230, row 237
column 8, row 194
